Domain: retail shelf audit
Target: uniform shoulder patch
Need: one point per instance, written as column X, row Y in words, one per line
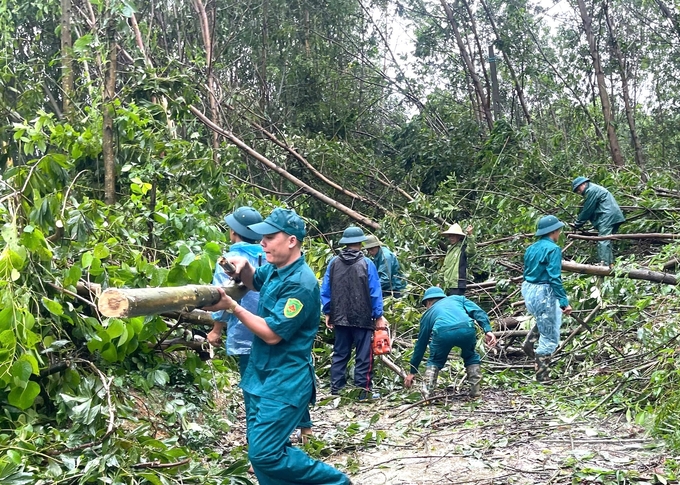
column 292, row 308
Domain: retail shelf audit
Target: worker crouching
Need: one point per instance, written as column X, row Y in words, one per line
column 449, row 322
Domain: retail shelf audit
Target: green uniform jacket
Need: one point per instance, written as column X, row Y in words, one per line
column 450, row 312
column 455, row 265
column 543, row 265
column 290, row 303
column 600, row 208
column 388, row 270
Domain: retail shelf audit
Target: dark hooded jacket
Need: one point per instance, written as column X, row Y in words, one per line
column 350, row 291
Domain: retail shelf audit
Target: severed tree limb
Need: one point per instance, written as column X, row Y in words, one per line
column 636, row 274
column 392, row 366
column 642, row 235
column 133, row 302
column 288, row 176
column 311, row 168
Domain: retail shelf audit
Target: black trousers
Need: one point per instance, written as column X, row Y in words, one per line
column 455, row 291
column 347, row 338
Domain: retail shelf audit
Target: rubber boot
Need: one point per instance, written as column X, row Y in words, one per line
column 542, row 368
column 474, row 377
column 530, row 340
column 430, row 382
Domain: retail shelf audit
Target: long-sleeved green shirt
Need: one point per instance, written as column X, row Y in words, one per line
column 599, row 207
column 543, row 264
column 450, row 312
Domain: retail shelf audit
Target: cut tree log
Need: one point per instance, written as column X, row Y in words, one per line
column 134, row 302
column 642, row 235
column 636, row 274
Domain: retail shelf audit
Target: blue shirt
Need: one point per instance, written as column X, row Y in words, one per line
column 543, row 264
column 239, row 338
column 447, row 313
column 291, row 307
column 388, row 270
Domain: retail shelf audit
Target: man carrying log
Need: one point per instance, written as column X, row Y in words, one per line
column 601, row 209
column 544, row 294
column 449, row 322
column 278, row 384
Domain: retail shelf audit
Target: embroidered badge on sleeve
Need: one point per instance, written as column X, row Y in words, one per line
column 292, row 308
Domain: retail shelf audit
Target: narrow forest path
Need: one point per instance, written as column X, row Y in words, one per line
column 505, row 437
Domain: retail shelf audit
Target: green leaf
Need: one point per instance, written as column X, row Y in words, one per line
column 116, row 328
column 188, row 259
column 23, row 398
column 86, row 259
column 101, row 251
column 21, row 372
column 52, row 306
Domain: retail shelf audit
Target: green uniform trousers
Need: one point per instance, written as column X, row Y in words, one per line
column 444, row 339
column 274, row 459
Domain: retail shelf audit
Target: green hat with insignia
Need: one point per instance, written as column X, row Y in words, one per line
column 281, row 220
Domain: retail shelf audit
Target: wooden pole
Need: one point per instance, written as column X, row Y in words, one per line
column 636, row 274
column 134, row 302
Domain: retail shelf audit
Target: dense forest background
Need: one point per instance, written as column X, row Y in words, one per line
column 128, row 130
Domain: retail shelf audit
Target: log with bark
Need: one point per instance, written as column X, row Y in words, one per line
column 636, row 274
column 134, row 302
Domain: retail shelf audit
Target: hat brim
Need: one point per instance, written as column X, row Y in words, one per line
column 240, row 229
column 371, row 245
column 549, row 229
column 454, row 233
column 352, row 240
column 263, row 228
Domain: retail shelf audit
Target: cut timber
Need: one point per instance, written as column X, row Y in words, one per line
column 125, row 303
column 636, row 274
column 642, row 235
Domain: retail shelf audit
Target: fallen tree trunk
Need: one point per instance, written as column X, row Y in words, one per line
column 636, row 274
column 392, row 366
column 642, row 235
column 134, row 302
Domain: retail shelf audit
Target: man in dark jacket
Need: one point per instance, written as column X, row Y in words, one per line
column 352, row 302
column 601, row 209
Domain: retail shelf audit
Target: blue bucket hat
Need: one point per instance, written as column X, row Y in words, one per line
column 433, row 292
column 240, row 219
column 548, row 224
column 578, row 181
column 281, row 220
column 352, row 235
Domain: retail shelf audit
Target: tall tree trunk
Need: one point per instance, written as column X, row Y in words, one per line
column 108, row 149
column 66, row 58
column 623, row 72
column 508, row 64
column 212, row 85
column 480, row 51
column 263, row 59
column 469, row 66
column 614, row 146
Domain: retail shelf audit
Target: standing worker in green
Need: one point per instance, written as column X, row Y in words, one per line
column 601, row 209
column 391, row 280
column 278, row 383
column 544, row 294
column 449, row 322
column 456, row 261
